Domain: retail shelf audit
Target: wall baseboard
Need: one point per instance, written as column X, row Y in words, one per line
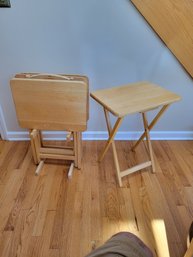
column 3, row 128
column 103, row 135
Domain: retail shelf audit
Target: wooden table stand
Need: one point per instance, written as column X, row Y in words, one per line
column 121, row 101
column 52, row 102
column 41, row 153
column 112, row 132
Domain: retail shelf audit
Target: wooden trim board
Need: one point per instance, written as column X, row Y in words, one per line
column 173, row 22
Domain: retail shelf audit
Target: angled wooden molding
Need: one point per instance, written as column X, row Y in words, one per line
column 173, row 22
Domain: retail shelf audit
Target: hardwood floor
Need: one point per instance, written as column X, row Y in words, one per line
column 48, row 215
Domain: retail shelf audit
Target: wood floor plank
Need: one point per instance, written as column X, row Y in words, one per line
column 128, row 219
column 54, row 253
column 55, row 190
column 43, row 196
column 2, row 144
column 13, row 160
column 41, row 244
column 174, row 200
column 186, row 220
column 85, row 246
column 49, row 215
column 142, row 210
column 176, row 163
column 19, row 237
column 183, row 154
column 21, row 195
column 189, row 198
column 5, row 239
column 2, row 189
column 112, row 211
column 160, row 208
column 27, row 218
column 95, row 202
column 7, row 198
column 76, row 229
column 66, row 239
column 15, row 240
column 5, row 149
column 5, row 157
column 55, row 242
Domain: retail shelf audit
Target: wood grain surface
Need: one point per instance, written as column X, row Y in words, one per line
column 51, row 216
column 51, row 103
column 173, row 22
column 133, row 98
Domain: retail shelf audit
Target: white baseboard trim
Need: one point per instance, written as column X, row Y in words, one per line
column 3, row 128
column 103, row 135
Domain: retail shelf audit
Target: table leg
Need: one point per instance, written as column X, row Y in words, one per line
column 75, row 146
column 39, row 167
column 152, row 124
column 114, row 148
column 40, row 137
column 79, row 149
column 111, row 137
column 145, row 123
column 35, row 144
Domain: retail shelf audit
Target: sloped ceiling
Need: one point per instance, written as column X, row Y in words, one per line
column 173, row 22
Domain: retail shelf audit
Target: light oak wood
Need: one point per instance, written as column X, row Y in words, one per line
column 56, row 156
column 50, row 150
column 111, row 137
column 40, row 204
column 113, row 147
column 71, row 170
column 75, row 143
column 173, row 22
column 41, row 153
column 135, row 168
column 133, row 98
column 151, row 125
column 123, row 100
column 79, row 149
column 148, row 141
column 39, row 167
column 36, row 141
column 68, row 136
column 33, row 147
column 51, row 103
column 48, row 215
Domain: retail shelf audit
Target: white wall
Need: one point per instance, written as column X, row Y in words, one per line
column 107, row 40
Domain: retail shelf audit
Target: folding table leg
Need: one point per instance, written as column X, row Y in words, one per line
column 36, row 138
column 40, row 137
column 111, row 137
column 145, row 123
column 33, row 147
column 114, row 148
column 79, row 149
column 39, row 167
column 71, row 170
column 152, row 124
column 75, row 149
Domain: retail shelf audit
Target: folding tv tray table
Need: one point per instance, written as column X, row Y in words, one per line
column 128, row 99
column 52, row 102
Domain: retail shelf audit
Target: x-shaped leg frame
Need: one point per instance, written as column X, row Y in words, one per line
column 112, row 133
